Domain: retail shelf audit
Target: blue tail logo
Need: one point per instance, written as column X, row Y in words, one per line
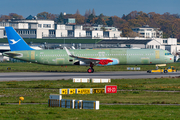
column 13, row 41
column 16, row 43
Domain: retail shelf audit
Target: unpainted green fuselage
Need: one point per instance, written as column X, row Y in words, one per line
column 123, row 56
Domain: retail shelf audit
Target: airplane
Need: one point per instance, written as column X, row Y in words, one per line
column 86, row 57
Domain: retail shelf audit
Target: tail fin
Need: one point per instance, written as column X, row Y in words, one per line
column 16, row 43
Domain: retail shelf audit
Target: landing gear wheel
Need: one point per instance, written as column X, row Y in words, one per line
column 165, row 71
column 90, row 70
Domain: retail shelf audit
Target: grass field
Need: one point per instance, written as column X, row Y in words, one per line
column 39, row 91
column 113, row 112
column 32, row 67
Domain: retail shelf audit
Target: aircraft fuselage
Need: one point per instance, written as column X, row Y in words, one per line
column 119, row 56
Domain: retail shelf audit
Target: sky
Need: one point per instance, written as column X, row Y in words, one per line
column 107, row 7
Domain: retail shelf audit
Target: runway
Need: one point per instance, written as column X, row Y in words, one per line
column 27, row 76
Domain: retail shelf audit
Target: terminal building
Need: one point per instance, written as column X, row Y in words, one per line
column 39, row 29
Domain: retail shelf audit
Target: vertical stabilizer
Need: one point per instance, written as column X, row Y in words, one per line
column 16, row 43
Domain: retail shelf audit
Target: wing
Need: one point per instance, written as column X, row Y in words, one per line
column 89, row 60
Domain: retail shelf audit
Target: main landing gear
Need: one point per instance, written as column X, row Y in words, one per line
column 90, row 70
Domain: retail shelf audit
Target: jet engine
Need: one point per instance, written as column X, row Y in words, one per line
column 81, row 63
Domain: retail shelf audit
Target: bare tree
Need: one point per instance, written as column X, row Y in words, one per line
column 93, row 12
column 77, row 12
column 90, row 12
column 86, row 14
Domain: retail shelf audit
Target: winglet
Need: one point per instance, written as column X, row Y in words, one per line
column 68, row 51
column 16, row 43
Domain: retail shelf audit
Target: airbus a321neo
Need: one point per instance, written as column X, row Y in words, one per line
column 87, row 57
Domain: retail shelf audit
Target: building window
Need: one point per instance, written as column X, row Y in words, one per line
column 52, row 32
column 164, row 41
column 46, row 25
column 40, row 25
column 32, row 32
column 128, row 46
column 88, row 33
column 4, row 33
column 149, row 29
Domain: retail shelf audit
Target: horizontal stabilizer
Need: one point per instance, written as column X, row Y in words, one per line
column 11, row 54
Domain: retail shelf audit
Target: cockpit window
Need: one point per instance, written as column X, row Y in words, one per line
column 167, row 53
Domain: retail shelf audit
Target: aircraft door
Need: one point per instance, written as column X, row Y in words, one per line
column 32, row 55
column 157, row 54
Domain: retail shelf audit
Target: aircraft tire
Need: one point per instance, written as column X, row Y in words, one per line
column 165, row 71
column 90, row 70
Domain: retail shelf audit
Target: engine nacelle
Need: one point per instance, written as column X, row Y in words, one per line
column 81, row 63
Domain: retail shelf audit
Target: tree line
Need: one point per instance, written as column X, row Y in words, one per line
column 168, row 23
